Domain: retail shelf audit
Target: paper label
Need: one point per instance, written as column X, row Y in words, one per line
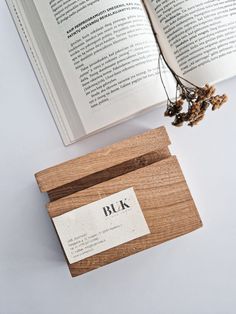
column 101, row 225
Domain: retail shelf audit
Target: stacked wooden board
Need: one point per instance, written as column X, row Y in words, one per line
column 142, row 162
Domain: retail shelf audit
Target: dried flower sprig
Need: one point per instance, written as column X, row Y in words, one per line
column 198, row 99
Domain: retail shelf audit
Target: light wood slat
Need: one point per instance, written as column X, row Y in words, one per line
column 164, row 198
column 118, row 153
column 107, row 174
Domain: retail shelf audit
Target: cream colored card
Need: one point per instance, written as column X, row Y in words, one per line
column 101, row 225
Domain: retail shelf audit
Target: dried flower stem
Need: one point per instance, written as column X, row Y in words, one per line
column 198, row 99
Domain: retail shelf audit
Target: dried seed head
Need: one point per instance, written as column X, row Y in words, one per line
column 197, row 120
column 218, row 101
column 198, row 100
column 179, row 119
column 179, row 103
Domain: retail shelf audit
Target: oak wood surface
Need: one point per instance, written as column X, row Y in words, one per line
column 143, row 162
column 63, row 175
column 164, row 197
column 107, row 174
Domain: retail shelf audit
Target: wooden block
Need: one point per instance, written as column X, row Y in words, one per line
column 143, row 163
column 104, row 164
column 165, row 200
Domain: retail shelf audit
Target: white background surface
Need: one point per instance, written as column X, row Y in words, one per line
column 193, row 274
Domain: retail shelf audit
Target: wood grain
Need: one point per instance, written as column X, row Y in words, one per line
column 83, row 168
column 164, row 197
column 107, row 174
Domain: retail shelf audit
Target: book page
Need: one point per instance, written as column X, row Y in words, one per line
column 108, row 56
column 197, row 36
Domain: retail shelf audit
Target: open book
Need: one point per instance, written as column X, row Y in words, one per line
column 97, row 60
